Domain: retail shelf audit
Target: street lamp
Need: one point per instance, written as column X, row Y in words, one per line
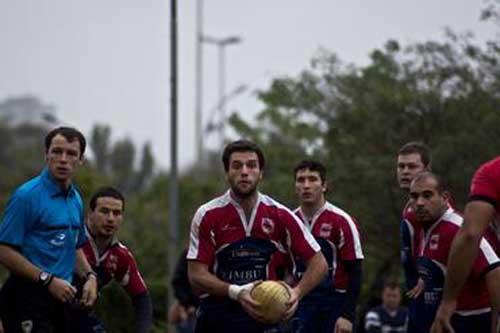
column 221, row 44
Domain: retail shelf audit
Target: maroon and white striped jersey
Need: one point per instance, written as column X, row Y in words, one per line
column 473, row 298
column 238, row 249
column 338, row 235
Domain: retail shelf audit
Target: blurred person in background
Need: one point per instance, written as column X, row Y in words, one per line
column 390, row 316
column 182, row 313
column 111, row 260
column 413, row 158
column 41, row 236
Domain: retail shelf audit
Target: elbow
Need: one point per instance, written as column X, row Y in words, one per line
column 470, row 235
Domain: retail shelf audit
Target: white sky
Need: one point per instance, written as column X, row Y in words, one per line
column 108, row 61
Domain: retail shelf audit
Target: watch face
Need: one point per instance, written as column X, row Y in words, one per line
column 44, row 276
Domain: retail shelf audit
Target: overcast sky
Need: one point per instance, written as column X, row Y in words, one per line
column 108, row 61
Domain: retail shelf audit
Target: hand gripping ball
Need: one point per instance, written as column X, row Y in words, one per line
column 272, row 296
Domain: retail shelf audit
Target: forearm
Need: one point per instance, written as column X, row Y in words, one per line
column 17, row 264
column 464, row 250
column 354, row 272
column 82, row 266
column 315, row 272
column 203, row 281
column 143, row 309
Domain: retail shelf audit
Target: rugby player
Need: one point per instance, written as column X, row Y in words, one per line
column 241, row 237
column 441, row 224
column 331, row 306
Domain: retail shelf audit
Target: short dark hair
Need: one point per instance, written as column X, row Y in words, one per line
column 417, row 147
column 242, row 146
column 427, row 174
column 313, row 166
column 70, row 133
column 106, row 191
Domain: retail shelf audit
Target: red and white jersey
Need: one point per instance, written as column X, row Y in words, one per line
column 485, row 184
column 240, row 250
column 116, row 263
column 338, row 234
column 473, row 298
column 415, row 230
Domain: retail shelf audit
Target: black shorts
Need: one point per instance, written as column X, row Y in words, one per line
column 27, row 307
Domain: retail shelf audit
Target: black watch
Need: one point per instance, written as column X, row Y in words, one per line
column 89, row 274
column 45, row 278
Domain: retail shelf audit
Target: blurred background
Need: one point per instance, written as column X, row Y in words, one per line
column 347, row 82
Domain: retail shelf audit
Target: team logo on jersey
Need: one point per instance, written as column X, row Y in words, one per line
column 27, row 326
column 325, row 230
column 58, row 240
column 267, row 225
column 434, row 242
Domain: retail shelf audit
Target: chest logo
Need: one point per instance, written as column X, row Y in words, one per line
column 434, row 242
column 325, row 230
column 267, row 225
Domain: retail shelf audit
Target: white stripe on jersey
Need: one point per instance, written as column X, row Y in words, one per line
column 266, row 200
column 194, row 237
column 354, row 230
column 485, row 247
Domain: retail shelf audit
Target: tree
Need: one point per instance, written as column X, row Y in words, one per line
column 100, row 144
column 122, row 164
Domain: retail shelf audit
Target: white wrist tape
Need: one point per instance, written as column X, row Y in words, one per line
column 234, row 290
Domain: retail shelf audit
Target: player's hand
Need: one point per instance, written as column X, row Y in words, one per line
column 343, row 325
column 292, row 303
column 442, row 321
column 251, row 306
column 89, row 292
column 62, row 290
column 417, row 290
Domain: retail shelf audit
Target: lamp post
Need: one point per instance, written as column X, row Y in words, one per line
column 221, row 44
column 199, row 82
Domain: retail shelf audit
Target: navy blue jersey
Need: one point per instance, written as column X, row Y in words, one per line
column 381, row 320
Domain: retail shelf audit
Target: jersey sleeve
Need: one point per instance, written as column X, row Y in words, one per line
column 17, row 220
column 486, row 260
column 485, row 184
column 132, row 281
column 201, row 246
column 349, row 240
column 300, row 240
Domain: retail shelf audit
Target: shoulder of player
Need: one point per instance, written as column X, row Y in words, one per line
column 30, row 189
column 274, row 207
column 121, row 250
column 213, row 205
column 489, row 169
column 452, row 219
column 337, row 214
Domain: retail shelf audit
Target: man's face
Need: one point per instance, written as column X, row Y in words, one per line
column 107, row 217
column 391, row 297
column 426, row 200
column 309, row 187
column 408, row 166
column 63, row 158
column 244, row 173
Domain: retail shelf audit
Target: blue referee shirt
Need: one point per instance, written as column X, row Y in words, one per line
column 45, row 223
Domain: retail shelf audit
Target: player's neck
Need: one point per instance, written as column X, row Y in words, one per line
column 102, row 243
column 310, row 209
column 246, row 202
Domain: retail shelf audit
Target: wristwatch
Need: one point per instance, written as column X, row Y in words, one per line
column 45, row 278
column 89, row 274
